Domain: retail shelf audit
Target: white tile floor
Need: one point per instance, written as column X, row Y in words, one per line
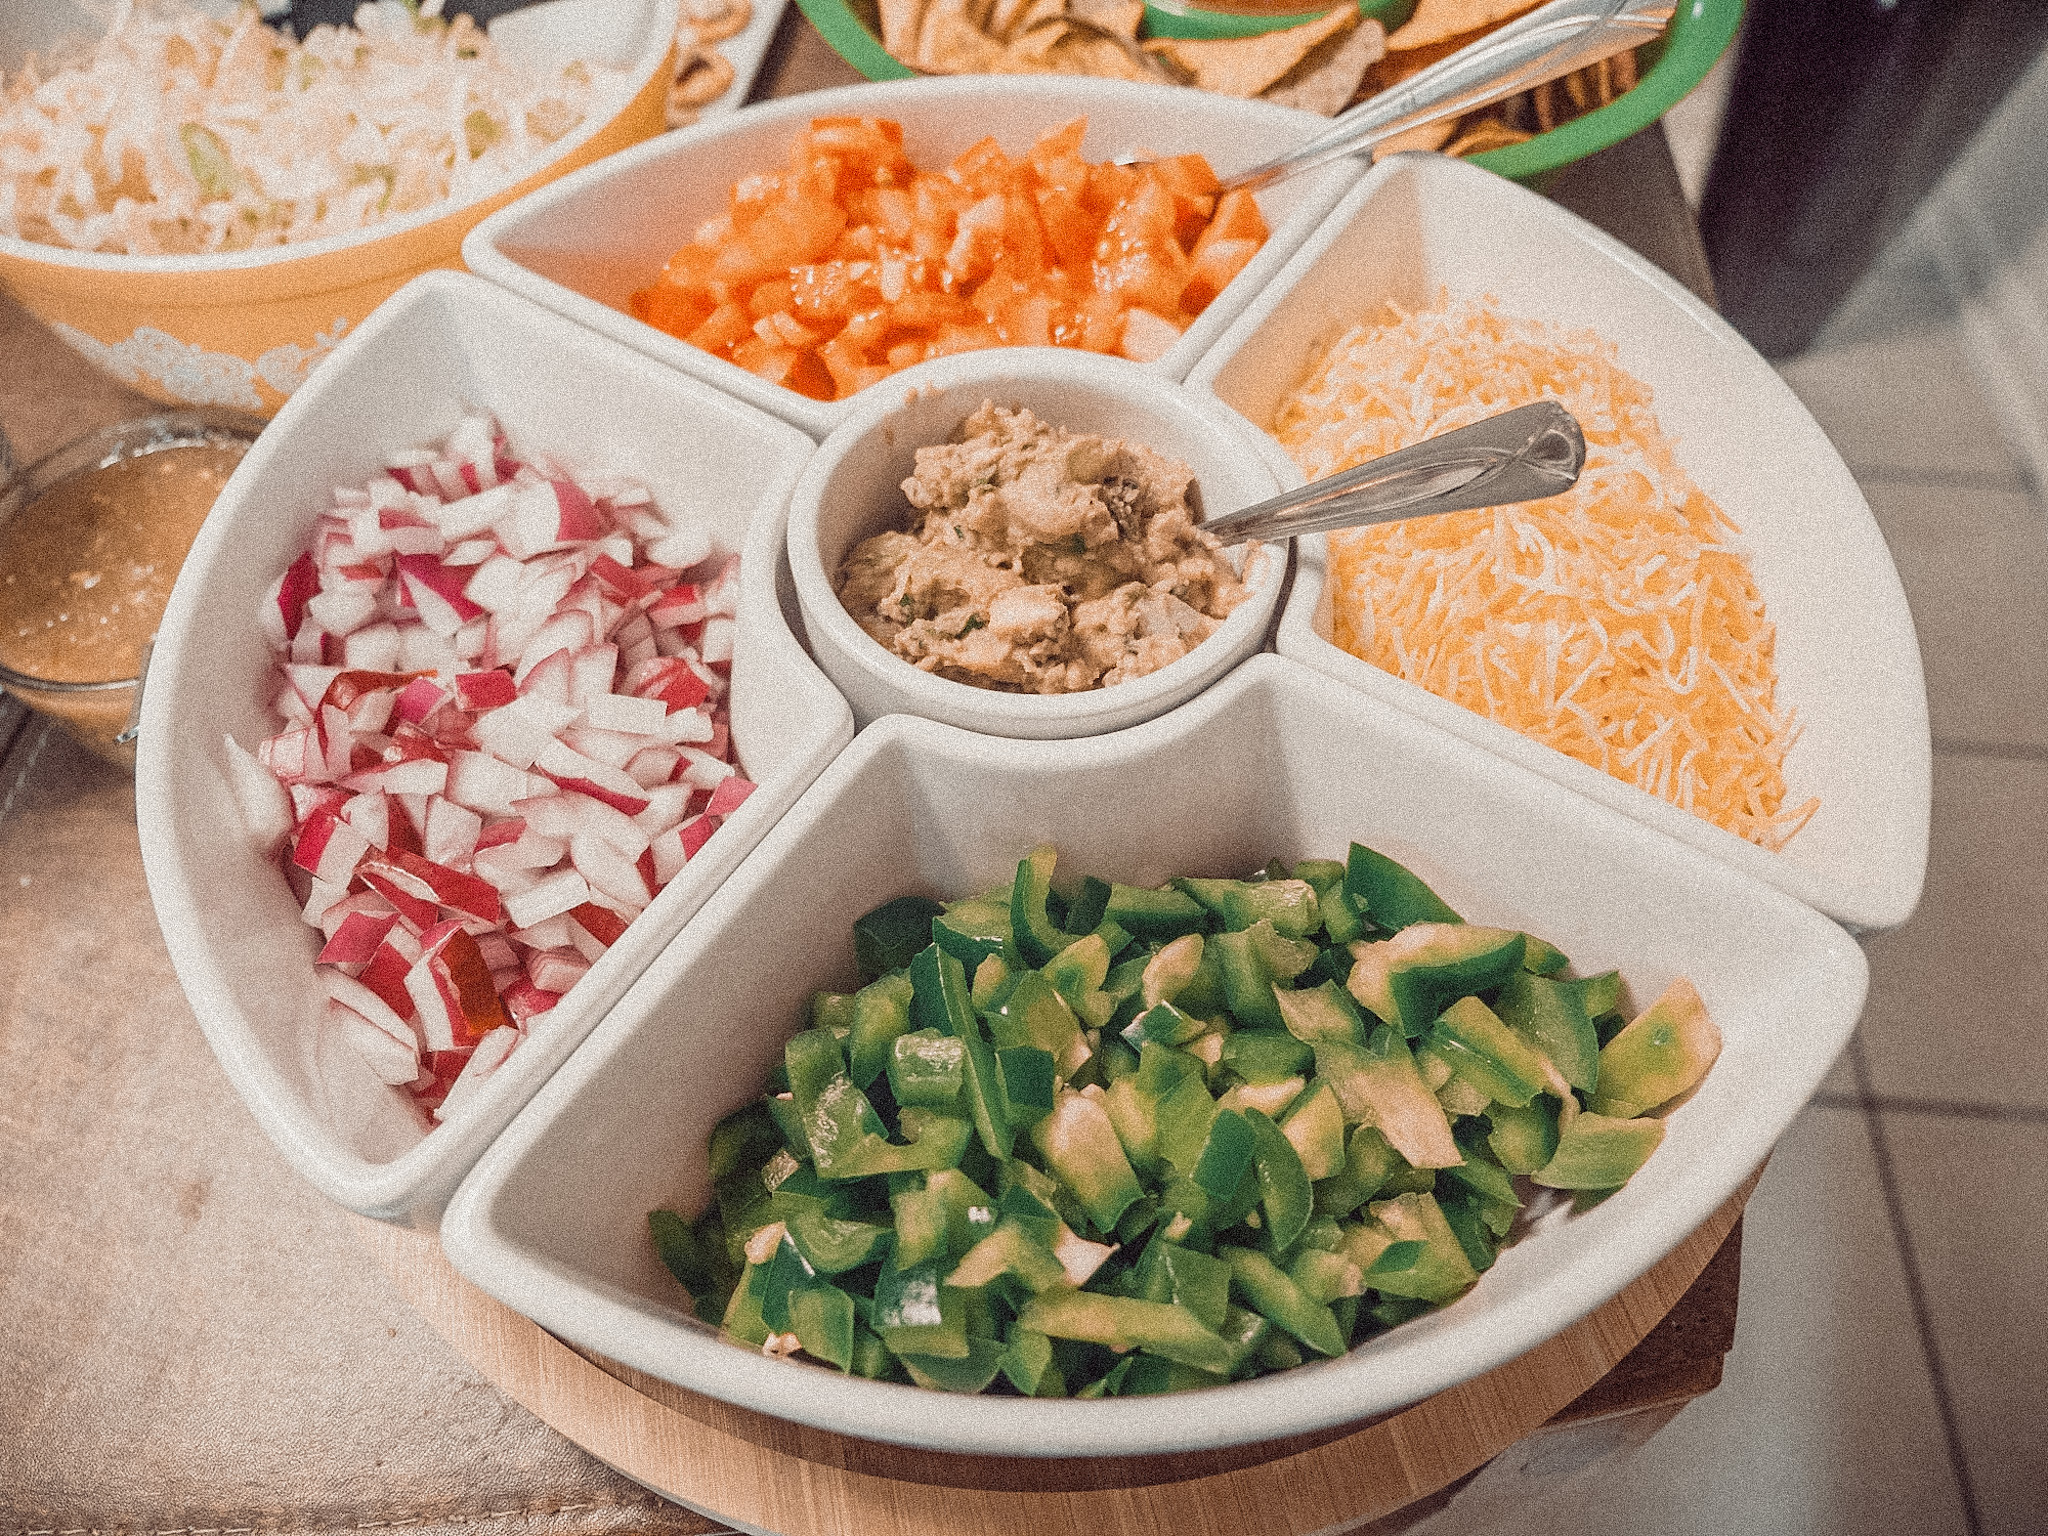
column 1890, row 1370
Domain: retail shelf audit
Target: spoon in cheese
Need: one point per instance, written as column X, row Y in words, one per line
column 1524, row 454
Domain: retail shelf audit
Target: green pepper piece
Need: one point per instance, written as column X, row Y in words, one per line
column 1523, row 1139
column 1155, row 914
column 939, row 998
column 1124, row 1322
column 1543, row 957
column 1380, row 1085
column 1289, row 905
column 1185, row 1114
column 832, row 1246
column 832, row 1011
column 784, row 1274
column 1443, row 1271
column 1391, row 894
column 1314, row 1123
column 1325, row 1013
column 1271, row 1292
column 1013, row 1248
column 1369, row 1160
column 1553, row 1016
column 1284, row 1191
column 1227, row 1154
column 881, row 1012
column 1027, row 1360
column 1265, row 1055
column 871, row 1358
column 1284, row 958
column 1504, row 1065
column 1326, row 1277
column 927, row 1068
column 1246, row 1332
column 914, row 1314
column 1597, row 1151
column 972, row 930
column 1661, row 1054
column 1186, row 1277
column 1077, row 974
column 822, row 1320
column 701, row 1268
column 742, row 1318
column 1485, row 1180
column 1165, row 1024
column 1037, row 936
column 743, row 1140
column 1026, row 1082
column 212, row 166
column 1145, row 1375
column 886, row 938
column 1247, row 984
column 1081, row 1149
column 1034, row 1013
column 990, row 984
column 1343, row 918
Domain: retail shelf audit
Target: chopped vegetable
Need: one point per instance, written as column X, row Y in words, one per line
column 505, row 730
column 850, row 263
column 185, row 132
column 1188, row 1190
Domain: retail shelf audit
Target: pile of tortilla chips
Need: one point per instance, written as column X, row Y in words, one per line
column 1323, row 66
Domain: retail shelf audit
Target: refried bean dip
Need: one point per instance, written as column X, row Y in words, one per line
column 86, row 568
column 1046, row 561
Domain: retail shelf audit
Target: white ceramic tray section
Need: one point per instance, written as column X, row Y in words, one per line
column 444, row 343
column 1419, row 226
column 1276, row 761
column 583, row 244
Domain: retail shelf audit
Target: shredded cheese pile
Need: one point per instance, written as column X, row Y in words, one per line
column 1614, row 623
column 182, row 133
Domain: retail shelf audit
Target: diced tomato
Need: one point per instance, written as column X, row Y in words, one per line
column 669, row 308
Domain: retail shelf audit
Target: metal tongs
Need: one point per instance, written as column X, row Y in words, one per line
column 1551, row 41
column 1525, row 454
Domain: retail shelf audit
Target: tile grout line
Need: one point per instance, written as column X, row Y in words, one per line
column 1923, row 1323
column 1998, row 751
column 1900, row 475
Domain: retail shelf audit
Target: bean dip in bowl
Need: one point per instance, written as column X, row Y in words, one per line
column 1010, row 542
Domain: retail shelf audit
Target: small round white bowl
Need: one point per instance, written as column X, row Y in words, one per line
column 853, row 488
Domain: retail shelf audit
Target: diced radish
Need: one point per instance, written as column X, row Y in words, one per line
column 519, row 732
column 452, row 831
column 329, row 849
column 462, row 631
column 556, row 970
column 731, row 792
column 391, row 1061
column 601, row 923
column 608, row 870
column 356, row 941
column 489, row 1055
column 485, row 690
column 552, row 897
column 260, row 796
column 524, row 1001
column 566, row 814
column 622, row 712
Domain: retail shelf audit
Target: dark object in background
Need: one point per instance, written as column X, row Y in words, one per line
column 304, row 15
column 1842, row 116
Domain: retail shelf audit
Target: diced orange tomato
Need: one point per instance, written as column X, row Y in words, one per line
column 850, row 263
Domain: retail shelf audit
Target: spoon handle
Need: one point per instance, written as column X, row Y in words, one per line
column 1525, row 454
column 1550, row 41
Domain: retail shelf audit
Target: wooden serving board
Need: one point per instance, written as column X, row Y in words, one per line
column 764, row 1474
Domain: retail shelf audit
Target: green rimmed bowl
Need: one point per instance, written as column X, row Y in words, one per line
column 1699, row 33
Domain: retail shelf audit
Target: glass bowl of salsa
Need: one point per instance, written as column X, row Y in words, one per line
column 91, row 539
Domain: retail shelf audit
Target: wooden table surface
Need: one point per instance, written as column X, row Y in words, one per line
column 196, row 1344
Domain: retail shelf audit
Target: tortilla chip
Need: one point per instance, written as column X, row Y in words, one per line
column 1428, row 136
column 1436, row 21
column 1074, row 50
column 1487, row 133
column 1245, row 66
column 1119, row 18
column 1328, row 78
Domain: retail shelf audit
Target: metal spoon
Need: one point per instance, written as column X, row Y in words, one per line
column 1551, row 41
column 1525, row 454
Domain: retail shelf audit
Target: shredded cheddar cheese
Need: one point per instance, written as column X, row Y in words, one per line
column 1614, row 623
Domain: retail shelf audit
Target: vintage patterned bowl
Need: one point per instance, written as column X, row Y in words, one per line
column 242, row 329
